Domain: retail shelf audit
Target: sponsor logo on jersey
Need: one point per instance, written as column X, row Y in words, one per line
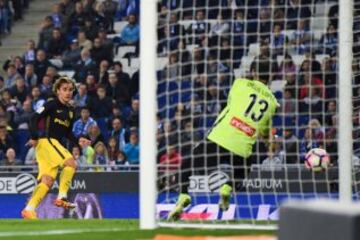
column 66, row 123
column 242, row 126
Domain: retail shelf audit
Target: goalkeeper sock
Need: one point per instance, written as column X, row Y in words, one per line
column 66, row 177
column 38, row 195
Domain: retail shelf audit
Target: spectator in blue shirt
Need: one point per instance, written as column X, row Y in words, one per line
column 132, row 150
column 82, row 125
column 278, row 40
column 118, row 132
column 81, row 99
column 130, row 35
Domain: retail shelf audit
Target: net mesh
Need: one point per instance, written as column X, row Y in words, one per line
column 203, row 46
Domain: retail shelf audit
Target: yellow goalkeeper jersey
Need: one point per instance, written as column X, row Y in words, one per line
column 248, row 113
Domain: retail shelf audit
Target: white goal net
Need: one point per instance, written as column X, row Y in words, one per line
column 203, row 47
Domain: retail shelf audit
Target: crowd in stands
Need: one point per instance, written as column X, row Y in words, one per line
column 205, row 43
column 10, row 12
column 73, row 37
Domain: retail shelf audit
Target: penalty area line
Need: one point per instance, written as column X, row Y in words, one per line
column 61, row 231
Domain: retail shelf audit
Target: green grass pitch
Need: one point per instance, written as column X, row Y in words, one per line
column 99, row 229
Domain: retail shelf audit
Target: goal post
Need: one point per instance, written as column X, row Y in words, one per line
column 346, row 8
column 191, row 52
column 148, row 108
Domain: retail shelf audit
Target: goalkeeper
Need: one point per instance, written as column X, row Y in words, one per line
column 248, row 114
column 57, row 116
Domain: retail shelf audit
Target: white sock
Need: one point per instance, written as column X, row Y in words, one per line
column 62, row 195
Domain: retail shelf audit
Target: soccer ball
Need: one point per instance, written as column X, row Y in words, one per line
column 317, row 159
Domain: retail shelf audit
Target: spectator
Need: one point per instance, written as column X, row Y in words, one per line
column 263, row 29
column 289, row 103
column 82, row 125
column 90, row 29
column 106, row 42
column 19, row 90
column 99, row 52
column 118, row 132
column 30, row 158
column 37, row 101
column 331, row 111
column 219, row 30
column 296, row 11
column 100, row 105
column 45, row 33
column 121, row 159
column 83, row 41
column 307, row 143
column 118, row 90
column 12, row 74
column 91, row 86
column 30, row 52
column 130, row 35
column 131, row 149
column 189, row 136
column 67, row 7
column 313, row 82
column 199, row 28
column 85, row 66
column 58, row 18
column 301, row 37
column 291, row 143
column 171, row 160
column 79, row 158
column 23, row 115
column 238, row 36
column 100, row 17
column 88, row 152
column 8, row 101
column 2, row 84
column 103, row 72
column 30, row 77
column 318, row 130
column 329, row 77
column 46, row 86
column 95, row 135
column 72, row 55
column 278, row 40
column 10, row 159
column 113, row 150
column 122, row 76
column 133, row 117
column 81, row 99
column 287, row 66
column 101, row 156
column 20, row 67
column 77, row 18
column 6, row 141
column 41, row 64
column 57, row 44
column 110, row 8
column 329, row 41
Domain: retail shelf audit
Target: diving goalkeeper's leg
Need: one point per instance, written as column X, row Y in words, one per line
column 204, row 160
column 66, row 177
column 239, row 170
column 184, row 198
